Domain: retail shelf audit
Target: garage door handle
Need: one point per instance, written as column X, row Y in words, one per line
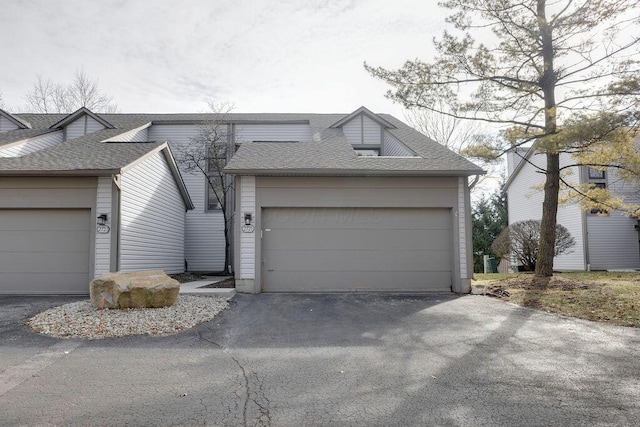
column 269, row 269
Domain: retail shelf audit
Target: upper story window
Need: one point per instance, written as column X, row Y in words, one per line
column 217, row 180
column 597, row 179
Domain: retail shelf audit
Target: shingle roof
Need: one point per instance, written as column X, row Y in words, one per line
column 329, row 153
column 332, row 154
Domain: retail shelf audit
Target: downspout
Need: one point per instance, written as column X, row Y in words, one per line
column 116, row 203
column 474, row 182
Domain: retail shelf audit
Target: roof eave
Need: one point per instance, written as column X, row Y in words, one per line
column 351, row 172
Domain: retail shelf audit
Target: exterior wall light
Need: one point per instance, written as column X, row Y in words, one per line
column 102, row 219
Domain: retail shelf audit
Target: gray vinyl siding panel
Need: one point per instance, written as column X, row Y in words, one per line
column 6, row 124
column 393, row 147
column 136, row 135
column 47, row 192
column 352, row 130
column 525, row 197
column 152, row 220
column 613, row 240
column 204, row 230
column 371, row 131
column 272, row 132
column 93, row 125
column 32, row 145
column 103, row 240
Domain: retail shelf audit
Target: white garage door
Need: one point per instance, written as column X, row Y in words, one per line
column 44, row 251
column 356, row 249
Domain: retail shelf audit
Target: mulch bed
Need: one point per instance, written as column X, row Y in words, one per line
column 532, row 283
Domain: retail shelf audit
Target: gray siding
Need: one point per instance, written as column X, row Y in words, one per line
column 82, row 126
column 353, row 130
column 152, row 218
column 371, row 131
column 32, row 145
column 525, row 197
column 393, row 147
column 204, row 233
column 272, row 132
column 613, row 240
column 6, row 124
column 103, row 241
column 135, row 135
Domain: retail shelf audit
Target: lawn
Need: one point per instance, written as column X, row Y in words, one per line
column 612, row 297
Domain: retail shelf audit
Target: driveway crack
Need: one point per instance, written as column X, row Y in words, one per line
column 247, row 390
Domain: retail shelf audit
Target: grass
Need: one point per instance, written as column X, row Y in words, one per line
column 612, row 297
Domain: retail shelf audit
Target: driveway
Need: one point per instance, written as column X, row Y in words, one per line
column 354, row 359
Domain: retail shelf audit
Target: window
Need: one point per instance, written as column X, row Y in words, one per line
column 597, row 179
column 216, row 160
column 596, row 174
column 368, row 152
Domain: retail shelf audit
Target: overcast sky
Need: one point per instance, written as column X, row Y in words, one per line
column 261, row 55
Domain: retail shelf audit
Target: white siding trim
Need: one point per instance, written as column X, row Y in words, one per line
column 152, row 218
column 32, row 145
column 247, row 240
column 462, row 229
column 140, row 134
column 103, row 241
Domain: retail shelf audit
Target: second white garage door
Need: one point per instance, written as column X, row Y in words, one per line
column 356, row 249
column 44, row 251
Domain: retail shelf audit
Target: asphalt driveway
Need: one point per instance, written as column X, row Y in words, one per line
column 352, row 359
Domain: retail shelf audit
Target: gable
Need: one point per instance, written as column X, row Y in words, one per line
column 9, row 122
column 83, row 125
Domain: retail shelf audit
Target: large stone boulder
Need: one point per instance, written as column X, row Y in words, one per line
column 140, row 289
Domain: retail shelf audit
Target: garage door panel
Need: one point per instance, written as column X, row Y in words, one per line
column 44, row 283
column 46, row 241
column 343, row 250
column 45, row 251
column 403, row 239
column 43, row 262
column 314, row 281
column 357, row 260
column 354, row 218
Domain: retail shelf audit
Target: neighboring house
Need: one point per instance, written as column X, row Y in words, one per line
column 80, row 196
column 323, row 202
column 604, row 240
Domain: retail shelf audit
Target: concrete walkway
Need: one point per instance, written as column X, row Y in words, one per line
column 196, row 287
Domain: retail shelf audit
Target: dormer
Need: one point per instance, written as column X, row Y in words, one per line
column 365, row 131
column 81, row 122
column 9, row 122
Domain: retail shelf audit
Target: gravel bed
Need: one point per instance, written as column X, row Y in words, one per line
column 81, row 320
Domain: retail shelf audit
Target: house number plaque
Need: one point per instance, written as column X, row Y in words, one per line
column 103, row 229
column 248, row 228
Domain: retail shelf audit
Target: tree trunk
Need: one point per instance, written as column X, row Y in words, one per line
column 546, row 247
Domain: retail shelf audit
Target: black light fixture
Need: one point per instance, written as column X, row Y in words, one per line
column 102, row 219
column 247, row 219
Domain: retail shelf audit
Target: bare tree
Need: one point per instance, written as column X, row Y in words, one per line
column 207, row 154
column 521, row 239
column 49, row 97
column 561, row 74
column 453, row 133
